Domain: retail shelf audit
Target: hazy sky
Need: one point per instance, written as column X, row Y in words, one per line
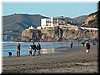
column 50, row 9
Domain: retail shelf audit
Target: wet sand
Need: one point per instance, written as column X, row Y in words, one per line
column 71, row 60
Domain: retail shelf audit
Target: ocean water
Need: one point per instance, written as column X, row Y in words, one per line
column 47, row 47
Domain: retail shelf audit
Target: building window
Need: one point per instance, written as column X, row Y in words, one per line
column 48, row 21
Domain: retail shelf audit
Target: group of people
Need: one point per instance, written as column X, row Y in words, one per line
column 87, row 45
column 36, row 49
column 33, row 47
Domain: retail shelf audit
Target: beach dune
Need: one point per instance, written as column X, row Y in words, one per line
column 71, row 60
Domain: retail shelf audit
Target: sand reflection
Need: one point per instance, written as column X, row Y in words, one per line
column 53, row 50
column 46, row 51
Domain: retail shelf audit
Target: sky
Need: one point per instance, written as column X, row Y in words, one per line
column 50, row 9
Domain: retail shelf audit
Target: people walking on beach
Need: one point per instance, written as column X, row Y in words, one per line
column 71, row 45
column 18, row 50
column 30, row 51
column 39, row 48
column 87, row 47
column 33, row 48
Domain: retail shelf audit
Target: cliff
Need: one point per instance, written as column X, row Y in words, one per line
column 57, row 34
column 91, row 20
column 15, row 26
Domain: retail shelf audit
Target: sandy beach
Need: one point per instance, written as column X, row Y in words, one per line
column 72, row 60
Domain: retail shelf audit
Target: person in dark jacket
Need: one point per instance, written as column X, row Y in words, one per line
column 18, row 50
column 71, row 45
column 39, row 48
column 33, row 48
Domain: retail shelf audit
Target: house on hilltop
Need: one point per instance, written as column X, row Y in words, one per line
column 60, row 21
column 52, row 22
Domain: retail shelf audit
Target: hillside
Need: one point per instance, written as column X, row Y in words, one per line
column 18, row 22
column 14, row 24
column 91, row 20
column 79, row 20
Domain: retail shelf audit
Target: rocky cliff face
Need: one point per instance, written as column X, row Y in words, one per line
column 30, row 35
column 57, row 34
column 42, row 35
column 91, row 20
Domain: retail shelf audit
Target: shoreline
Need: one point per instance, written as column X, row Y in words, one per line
column 25, row 46
column 49, row 50
column 73, row 60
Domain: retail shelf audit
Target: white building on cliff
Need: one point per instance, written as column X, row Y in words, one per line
column 52, row 22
